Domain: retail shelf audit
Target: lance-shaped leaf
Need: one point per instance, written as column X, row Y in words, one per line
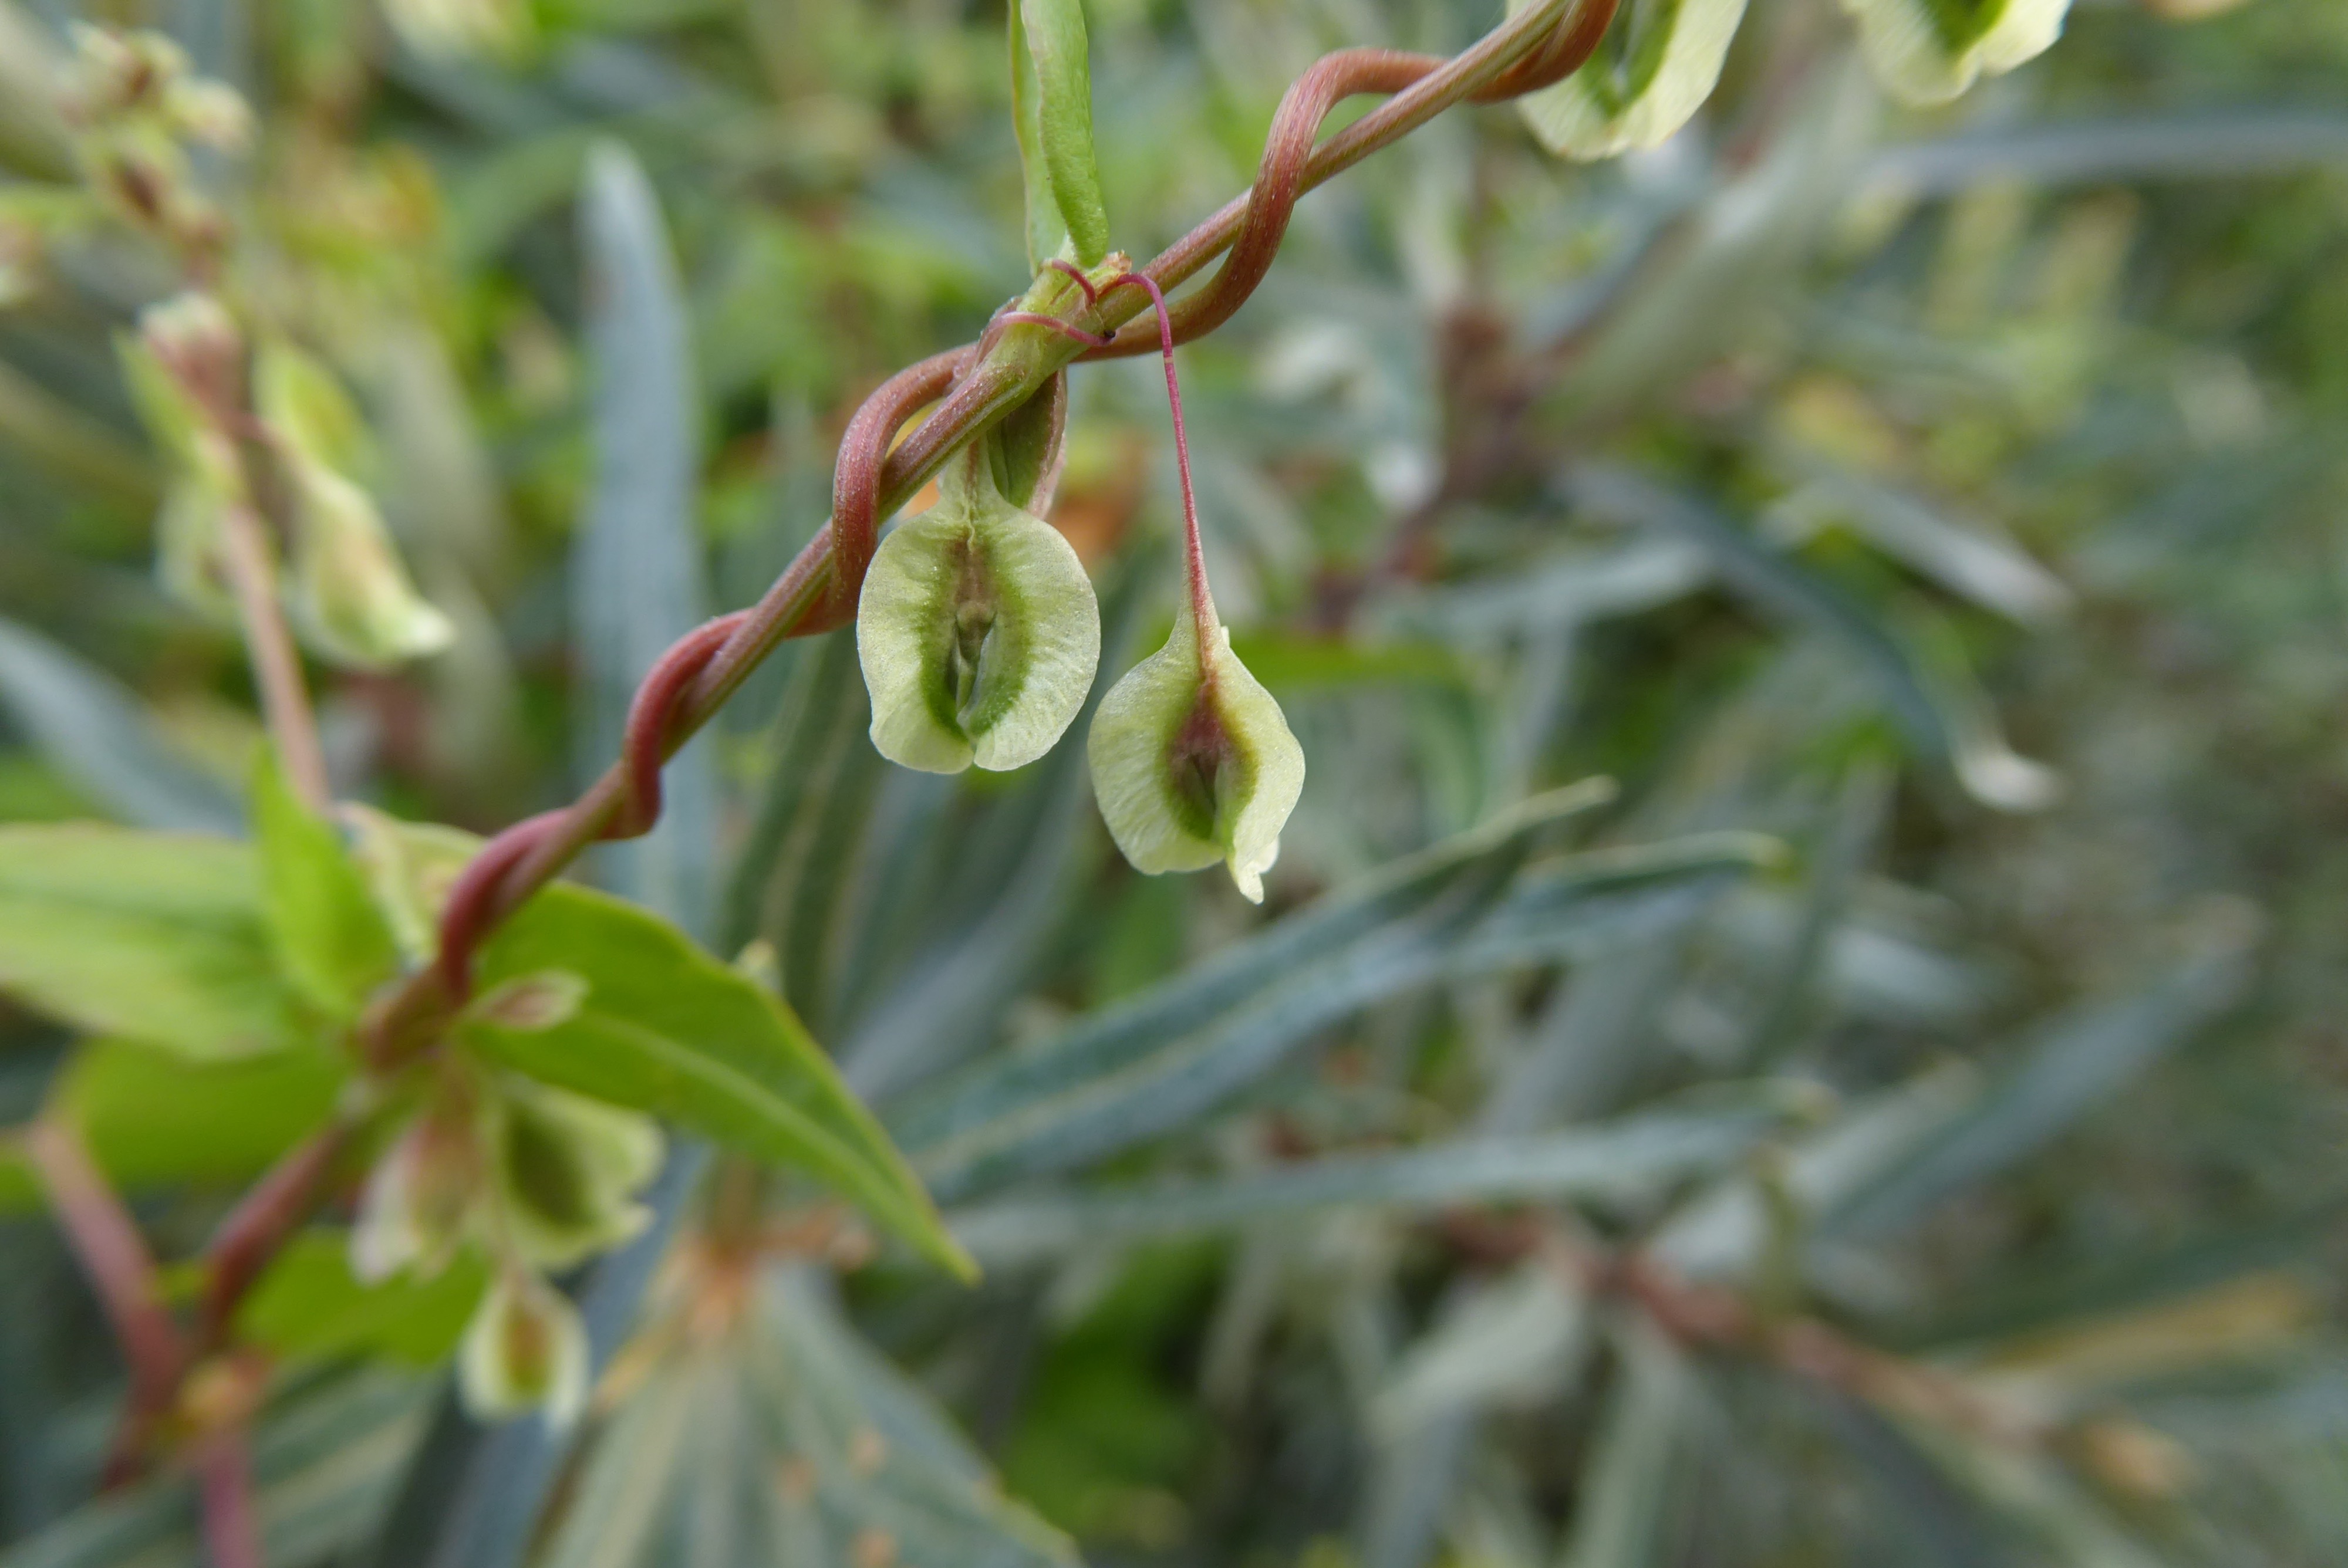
column 1193, row 760
column 1659, row 61
column 1929, row 51
column 978, row 634
column 1052, row 110
column 331, row 941
column 666, row 1029
column 351, row 596
column 156, row 937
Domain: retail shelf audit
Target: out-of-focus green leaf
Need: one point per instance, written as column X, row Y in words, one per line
column 1052, row 110
column 95, row 732
column 1608, row 1160
column 790, row 1440
column 1165, row 1058
column 1508, row 1344
column 2071, row 1069
column 635, row 570
column 330, row 939
column 1936, row 723
column 152, row 1118
column 666, row 1029
column 308, row 1306
column 1619, row 1508
column 153, row 935
column 790, row 878
column 324, row 1463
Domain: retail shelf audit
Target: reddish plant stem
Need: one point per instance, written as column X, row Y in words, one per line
column 107, row 1242
column 260, row 1224
column 231, row 1521
column 276, row 662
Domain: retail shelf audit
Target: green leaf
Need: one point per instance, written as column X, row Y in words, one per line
column 791, row 877
column 1160, row 1061
column 1930, row 51
column 325, row 1464
column 96, row 733
column 667, row 1029
column 332, row 941
column 1619, row 1507
column 153, row 935
column 1052, row 109
column 792, row 1441
column 636, row 568
column 1659, row 61
column 1624, row 1158
column 308, row 1306
column 152, row 1118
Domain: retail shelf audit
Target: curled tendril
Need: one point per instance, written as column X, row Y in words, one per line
column 818, row 591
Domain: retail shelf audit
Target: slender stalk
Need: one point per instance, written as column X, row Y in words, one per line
column 105, row 1241
column 277, row 663
column 231, row 1521
column 260, row 1224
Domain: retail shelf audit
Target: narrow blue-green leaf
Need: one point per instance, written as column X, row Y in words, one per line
column 1156, row 1064
column 1934, row 719
column 1052, row 98
column 636, row 581
column 156, row 937
column 666, row 1029
column 2075, row 1064
column 1610, row 1160
column 1619, row 1513
column 331, row 941
column 2227, row 144
column 324, row 1463
column 93, row 731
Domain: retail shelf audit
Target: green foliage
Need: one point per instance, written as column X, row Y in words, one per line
column 1052, row 110
column 309, row 1306
column 330, row 939
column 664, row 1028
column 158, row 938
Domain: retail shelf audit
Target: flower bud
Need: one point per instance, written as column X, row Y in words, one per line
column 1192, row 760
column 351, row 597
column 977, row 630
column 525, row 1350
column 568, row 1170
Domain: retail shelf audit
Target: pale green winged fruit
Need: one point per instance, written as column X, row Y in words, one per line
column 1659, row 61
column 568, row 1169
column 1192, row 760
column 1930, row 51
column 351, row 596
column 525, row 1350
column 977, row 630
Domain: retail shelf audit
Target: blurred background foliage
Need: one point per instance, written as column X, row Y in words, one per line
column 1953, row 496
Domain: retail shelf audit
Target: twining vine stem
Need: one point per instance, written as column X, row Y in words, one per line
column 972, row 388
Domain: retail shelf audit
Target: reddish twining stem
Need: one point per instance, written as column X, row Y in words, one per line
column 115, row 1256
column 818, row 591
